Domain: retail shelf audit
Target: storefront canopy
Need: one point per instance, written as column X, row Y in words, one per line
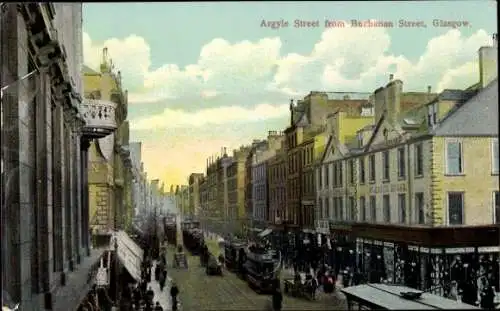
column 265, row 233
column 129, row 253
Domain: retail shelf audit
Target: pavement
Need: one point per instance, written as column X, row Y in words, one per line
column 163, row 296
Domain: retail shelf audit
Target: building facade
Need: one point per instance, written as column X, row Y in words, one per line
column 194, row 194
column 307, row 119
column 413, row 166
column 277, row 172
column 107, row 181
column 236, row 189
column 46, row 129
column 262, row 154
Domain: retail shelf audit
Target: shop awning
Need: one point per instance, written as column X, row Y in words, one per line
column 265, row 233
column 129, row 253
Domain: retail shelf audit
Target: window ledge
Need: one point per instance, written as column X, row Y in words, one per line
column 494, row 173
column 372, row 182
column 454, row 175
column 401, row 178
column 386, row 181
column 419, row 176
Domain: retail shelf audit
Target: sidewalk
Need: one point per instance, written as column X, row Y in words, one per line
column 162, row 296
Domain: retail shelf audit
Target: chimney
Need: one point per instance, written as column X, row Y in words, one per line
column 379, row 102
column 391, row 77
column 429, row 89
column 488, row 58
column 393, row 100
column 291, row 112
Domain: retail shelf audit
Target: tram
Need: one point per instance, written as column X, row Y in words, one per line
column 261, row 268
column 170, row 228
column 192, row 236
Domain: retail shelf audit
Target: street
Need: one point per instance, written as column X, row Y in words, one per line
column 201, row 292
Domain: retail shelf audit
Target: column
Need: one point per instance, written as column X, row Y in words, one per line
column 44, row 183
column 85, row 232
column 77, row 186
column 58, row 187
column 68, row 190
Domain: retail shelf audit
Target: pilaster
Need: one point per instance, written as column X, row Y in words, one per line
column 44, row 243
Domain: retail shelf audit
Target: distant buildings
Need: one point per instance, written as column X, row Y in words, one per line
column 388, row 157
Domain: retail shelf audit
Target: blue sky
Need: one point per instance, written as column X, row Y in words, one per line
column 206, row 75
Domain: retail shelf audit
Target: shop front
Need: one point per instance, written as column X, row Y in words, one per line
column 441, row 260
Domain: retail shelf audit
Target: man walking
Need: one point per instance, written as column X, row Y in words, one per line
column 277, row 299
column 174, row 291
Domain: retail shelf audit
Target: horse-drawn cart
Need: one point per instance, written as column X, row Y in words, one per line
column 298, row 288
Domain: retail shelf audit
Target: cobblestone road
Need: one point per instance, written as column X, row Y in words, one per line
column 199, row 292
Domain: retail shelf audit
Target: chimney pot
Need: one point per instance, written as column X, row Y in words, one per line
column 429, row 89
column 391, row 77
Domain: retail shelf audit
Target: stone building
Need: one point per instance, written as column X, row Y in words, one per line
column 109, row 171
column 46, row 128
column 235, row 190
column 139, row 179
column 276, row 180
column 308, row 117
column 433, row 165
column 260, row 187
column 194, row 194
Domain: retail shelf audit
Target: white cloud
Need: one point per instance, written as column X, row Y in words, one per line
column 344, row 59
column 174, row 118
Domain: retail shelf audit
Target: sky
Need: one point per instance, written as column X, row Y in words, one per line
column 202, row 76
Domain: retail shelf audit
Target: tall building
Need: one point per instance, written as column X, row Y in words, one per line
column 46, row 126
column 194, row 194
column 108, row 155
column 260, row 187
column 307, row 120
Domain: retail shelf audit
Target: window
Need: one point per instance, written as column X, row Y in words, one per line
column 387, row 208
column 495, row 157
column 330, row 208
column 334, row 174
column 454, row 160
column 351, row 171
column 341, row 208
column 401, row 163
column 371, row 164
column 432, row 114
column 373, row 208
column 341, row 177
column 361, row 170
column 419, row 161
column 321, row 208
column 322, row 168
column 455, row 208
column 419, row 208
column 496, row 206
column 385, row 159
column 402, row 208
column 327, row 176
column 362, row 208
column 352, row 209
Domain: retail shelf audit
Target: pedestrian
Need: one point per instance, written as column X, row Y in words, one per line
column 162, row 281
column 150, row 295
column 174, row 291
column 158, row 307
column 157, row 272
column 277, row 299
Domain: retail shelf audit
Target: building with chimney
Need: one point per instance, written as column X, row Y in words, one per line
column 235, row 189
column 431, row 163
column 306, row 131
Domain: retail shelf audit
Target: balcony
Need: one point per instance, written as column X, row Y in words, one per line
column 99, row 116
